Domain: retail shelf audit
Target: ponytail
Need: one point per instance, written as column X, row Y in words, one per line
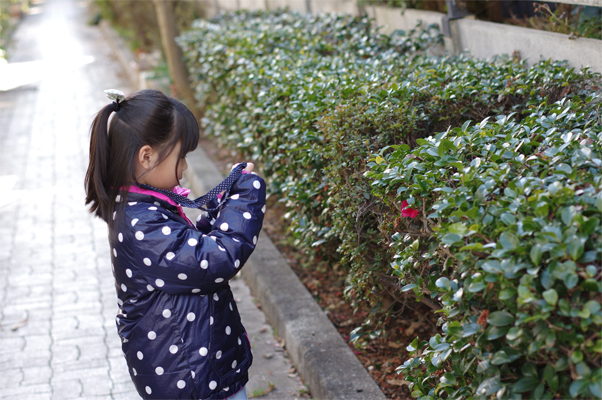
column 100, row 196
column 146, row 117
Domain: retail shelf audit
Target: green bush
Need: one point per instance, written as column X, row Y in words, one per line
column 316, row 109
column 137, row 22
column 512, row 211
column 268, row 82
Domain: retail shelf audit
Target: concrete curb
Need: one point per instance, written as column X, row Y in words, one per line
column 321, row 356
column 323, row 359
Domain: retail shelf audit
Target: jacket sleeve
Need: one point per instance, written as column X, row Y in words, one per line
column 176, row 258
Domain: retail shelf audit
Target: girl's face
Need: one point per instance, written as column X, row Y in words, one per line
column 167, row 174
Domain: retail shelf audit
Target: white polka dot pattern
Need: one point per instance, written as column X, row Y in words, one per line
column 257, row 185
column 228, row 330
column 124, row 288
column 224, row 227
column 192, row 242
column 166, row 313
column 170, row 256
column 203, row 351
column 152, row 335
column 182, row 277
column 166, row 230
column 219, row 280
column 150, row 288
column 139, row 235
column 235, row 196
column 181, row 384
column 247, row 215
column 190, row 317
column 159, row 371
column 140, row 355
column 173, row 349
column 159, row 282
column 128, row 272
column 148, row 390
column 147, row 262
column 234, row 364
column 218, row 355
column 204, row 264
column 134, row 221
column 120, row 237
column 212, row 385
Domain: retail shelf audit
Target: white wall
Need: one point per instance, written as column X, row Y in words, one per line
column 486, row 39
column 293, row 5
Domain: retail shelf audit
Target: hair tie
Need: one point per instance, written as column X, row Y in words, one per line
column 116, row 95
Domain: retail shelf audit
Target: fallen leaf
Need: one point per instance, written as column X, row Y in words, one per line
column 397, row 382
column 395, row 345
column 413, row 326
column 483, row 317
column 19, row 325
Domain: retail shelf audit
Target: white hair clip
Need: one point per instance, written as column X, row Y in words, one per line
column 115, row 95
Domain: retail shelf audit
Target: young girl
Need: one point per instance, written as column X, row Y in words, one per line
column 180, row 329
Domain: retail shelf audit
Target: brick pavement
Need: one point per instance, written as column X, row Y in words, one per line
column 57, row 298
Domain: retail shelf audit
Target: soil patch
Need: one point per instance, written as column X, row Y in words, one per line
column 380, row 356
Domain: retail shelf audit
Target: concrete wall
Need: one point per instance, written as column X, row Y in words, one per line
column 293, row 5
column 482, row 39
column 392, row 19
column 486, row 39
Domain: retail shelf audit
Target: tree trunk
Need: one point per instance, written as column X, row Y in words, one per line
column 175, row 58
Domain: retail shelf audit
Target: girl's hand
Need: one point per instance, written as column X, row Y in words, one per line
column 249, row 167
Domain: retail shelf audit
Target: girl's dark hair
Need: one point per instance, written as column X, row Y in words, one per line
column 146, row 117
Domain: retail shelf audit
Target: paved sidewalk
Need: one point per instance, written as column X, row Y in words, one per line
column 57, row 298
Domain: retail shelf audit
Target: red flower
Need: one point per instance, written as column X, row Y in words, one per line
column 406, row 211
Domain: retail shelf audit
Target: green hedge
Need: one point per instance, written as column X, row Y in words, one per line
column 339, row 120
column 512, row 211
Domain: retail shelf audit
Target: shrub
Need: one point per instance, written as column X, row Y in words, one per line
column 512, row 253
column 316, row 109
column 137, row 22
column 268, row 82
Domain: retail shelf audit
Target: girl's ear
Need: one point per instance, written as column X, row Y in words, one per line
column 146, row 157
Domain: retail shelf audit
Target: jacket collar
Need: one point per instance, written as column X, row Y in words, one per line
column 160, row 196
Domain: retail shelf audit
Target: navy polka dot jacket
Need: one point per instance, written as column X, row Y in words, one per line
column 179, row 325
